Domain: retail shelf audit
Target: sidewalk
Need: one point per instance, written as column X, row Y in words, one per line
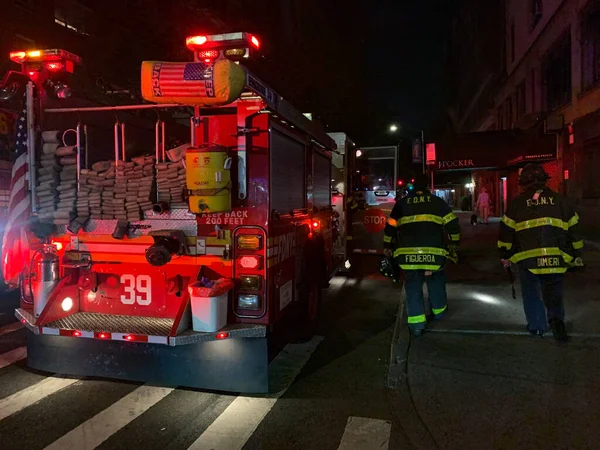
column 479, row 381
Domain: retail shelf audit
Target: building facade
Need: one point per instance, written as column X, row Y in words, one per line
column 550, row 82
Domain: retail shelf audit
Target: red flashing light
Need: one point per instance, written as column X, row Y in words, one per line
column 77, row 333
column 208, row 55
column 315, row 224
column 23, row 321
column 17, row 56
column 129, row 337
column 193, row 41
column 222, row 335
column 55, row 66
column 31, row 73
column 58, row 245
column 255, row 41
column 102, row 335
column 250, row 262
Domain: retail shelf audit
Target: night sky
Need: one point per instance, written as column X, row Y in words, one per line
column 391, row 67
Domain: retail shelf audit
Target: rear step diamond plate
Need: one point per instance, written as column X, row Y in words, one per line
column 151, row 326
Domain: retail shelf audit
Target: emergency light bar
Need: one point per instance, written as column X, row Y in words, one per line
column 55, row 60
column 233, row 46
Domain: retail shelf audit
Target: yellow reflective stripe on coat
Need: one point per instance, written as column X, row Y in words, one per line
column 455, row 237
column 420, row 251
column 449, row 218
column 542, row 222
column 387, row 239
column 439, row 311
column 548, row 271
column 574, row 220
column 540, row 252
column 509, row 222
column 578, row 245
column 392, row 222
column 417, row 319
column 417, row 267
column 422, row 218
column 506, row 245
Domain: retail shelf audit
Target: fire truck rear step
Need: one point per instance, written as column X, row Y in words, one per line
column 235, row 359
column 110, row 323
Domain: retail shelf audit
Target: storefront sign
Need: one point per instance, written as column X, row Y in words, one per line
column 456, row 164
column 430, row 154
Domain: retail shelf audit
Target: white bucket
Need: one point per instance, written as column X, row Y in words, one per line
column 209, row 314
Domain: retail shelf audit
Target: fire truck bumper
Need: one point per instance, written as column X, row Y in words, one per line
column 232, row 364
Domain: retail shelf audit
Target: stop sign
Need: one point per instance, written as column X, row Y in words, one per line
column 374, row 220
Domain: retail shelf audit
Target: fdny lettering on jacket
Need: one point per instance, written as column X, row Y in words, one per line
column 418, row 199
column 420, row 258
column 540, row 201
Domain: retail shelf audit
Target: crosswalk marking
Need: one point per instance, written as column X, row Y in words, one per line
column 96, row 430
column 10, row 328
column 8, row 358
column 33, row 394
column 366, row 434
column 235, row 425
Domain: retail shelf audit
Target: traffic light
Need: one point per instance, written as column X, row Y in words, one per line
column 400, row 183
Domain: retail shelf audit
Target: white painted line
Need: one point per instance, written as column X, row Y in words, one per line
column 8, row 358
column 232, row 429
column 366, row 434
column 33, row 394
column 103, row 425
column 10, row 328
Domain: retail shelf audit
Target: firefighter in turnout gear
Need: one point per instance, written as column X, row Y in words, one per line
column 540, row 233
column 419, row 233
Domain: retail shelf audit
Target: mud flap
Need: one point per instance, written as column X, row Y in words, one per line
column 229, row 365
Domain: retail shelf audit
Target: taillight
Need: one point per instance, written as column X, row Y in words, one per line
column 249, row 242
column 250, row 282
column 222, row 335
column 252, row 262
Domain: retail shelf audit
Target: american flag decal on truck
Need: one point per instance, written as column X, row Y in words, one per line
column 183, row 80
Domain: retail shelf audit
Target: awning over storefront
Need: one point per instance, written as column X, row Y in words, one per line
column 494, row 150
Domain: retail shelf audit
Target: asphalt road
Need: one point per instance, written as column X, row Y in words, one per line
column 331, row 392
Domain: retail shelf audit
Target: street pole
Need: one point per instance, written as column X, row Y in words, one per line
column 423, row 150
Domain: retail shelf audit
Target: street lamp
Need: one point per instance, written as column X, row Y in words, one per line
column 393, row 128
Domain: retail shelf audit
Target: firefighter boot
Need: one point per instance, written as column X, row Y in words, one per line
column 558, row 330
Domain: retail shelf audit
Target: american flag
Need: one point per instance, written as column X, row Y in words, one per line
column 183, row 79
column 14, row 245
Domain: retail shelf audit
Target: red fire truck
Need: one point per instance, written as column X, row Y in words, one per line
column 111, row 299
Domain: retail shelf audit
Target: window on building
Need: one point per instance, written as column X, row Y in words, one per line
column 521, row 100
column 509, row 112
column 533, row 91
column 72, row 15
column 501, row 118
column 511, row 44
column 536, row 11
column 590, row 45
column 556, row 71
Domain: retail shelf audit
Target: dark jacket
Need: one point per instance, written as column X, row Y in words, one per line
column 540, row 231
column 419, row 229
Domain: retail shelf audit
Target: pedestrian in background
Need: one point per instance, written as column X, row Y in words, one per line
column 483, row 205
column 416, row 236
column 540, row 233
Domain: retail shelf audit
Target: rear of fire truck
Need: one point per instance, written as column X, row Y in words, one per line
column 109, row 286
